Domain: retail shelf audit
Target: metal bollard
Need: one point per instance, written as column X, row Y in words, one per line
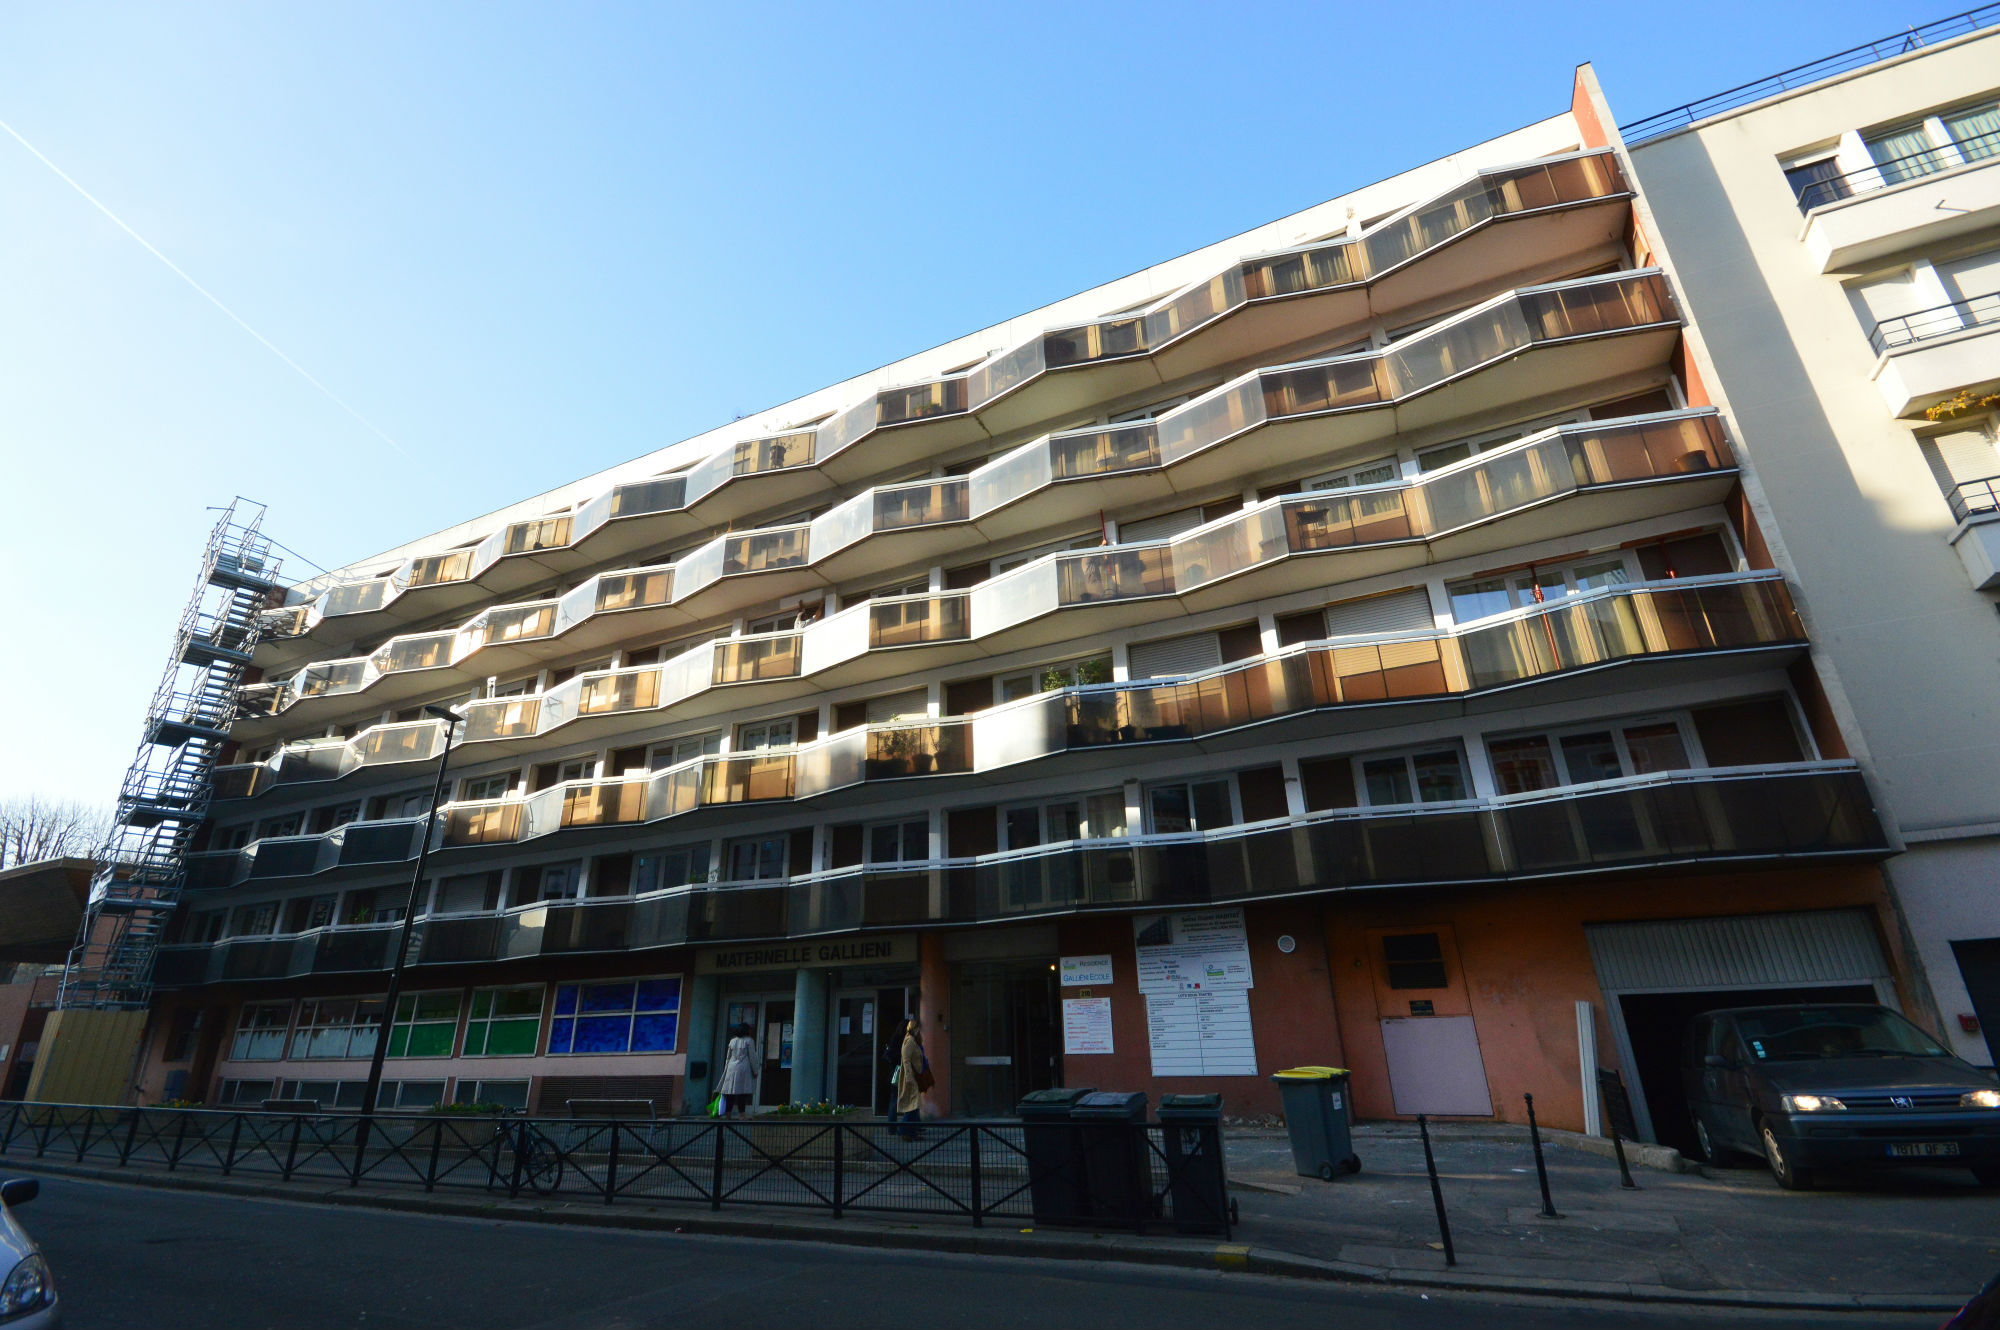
column 1624, row 1170
column 1541, row 1165
column 1437, row 1192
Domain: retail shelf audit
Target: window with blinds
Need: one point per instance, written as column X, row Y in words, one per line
column 1396, row 612
column 1162, row 527
column 1170, row 656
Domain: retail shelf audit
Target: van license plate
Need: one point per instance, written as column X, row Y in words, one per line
column 1924, row 1150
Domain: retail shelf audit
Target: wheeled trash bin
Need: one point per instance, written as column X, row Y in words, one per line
column 1320, row 1116
column 1191, row 1126
column 1117, row 1165
column 1055, row 1164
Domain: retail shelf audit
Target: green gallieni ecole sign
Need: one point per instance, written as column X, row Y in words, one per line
column 900, row 949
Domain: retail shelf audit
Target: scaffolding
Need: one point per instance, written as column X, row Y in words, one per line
column 166, row 790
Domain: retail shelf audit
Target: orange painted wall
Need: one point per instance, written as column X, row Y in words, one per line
column 1526, row 964
column 934, row 990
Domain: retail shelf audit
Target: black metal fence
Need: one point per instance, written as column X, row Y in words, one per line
column 1101, row 1175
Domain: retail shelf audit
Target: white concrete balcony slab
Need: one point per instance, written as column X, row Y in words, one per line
column 1891, row 208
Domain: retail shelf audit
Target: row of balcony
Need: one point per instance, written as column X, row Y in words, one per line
column 1257, row 551
column 1264, row 301
column 1685, row 617
column 1814, row 810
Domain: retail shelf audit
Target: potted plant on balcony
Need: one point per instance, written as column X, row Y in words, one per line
column 1965, row 403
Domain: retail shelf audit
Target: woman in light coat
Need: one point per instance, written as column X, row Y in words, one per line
column 909, row 1095
column 739, row 1073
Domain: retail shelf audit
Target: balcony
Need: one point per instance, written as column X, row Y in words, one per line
column 1504, row 223
column 1318, row 689
column 1935, row 353
column 1726, row 816
column 1561, row 481
column 1919, row 201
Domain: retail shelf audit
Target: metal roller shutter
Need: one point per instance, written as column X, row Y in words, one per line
column 1172, row 656
column 1396, row 612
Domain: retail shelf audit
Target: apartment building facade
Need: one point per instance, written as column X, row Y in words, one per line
column 1350, row 643
column 1839, row 238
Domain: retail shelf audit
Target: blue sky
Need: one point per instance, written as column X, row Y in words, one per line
column 527, row 242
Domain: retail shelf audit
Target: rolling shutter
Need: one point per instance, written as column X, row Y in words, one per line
column 1397, row 612
column 1170, row 656
column 1159, row 528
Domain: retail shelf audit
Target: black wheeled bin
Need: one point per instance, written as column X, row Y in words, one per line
column 1056, row 1185
column 1192, row 1127
column 1320, row 1116
column 1111, row 1131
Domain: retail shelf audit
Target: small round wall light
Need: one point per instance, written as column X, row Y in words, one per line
column 1287, row 943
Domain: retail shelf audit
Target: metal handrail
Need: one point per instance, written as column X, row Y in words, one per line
column 1974, row 496
column 1937, row 321
column 1858, row 57
column 1900, row 170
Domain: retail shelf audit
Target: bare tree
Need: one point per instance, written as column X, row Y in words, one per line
column 34, row 828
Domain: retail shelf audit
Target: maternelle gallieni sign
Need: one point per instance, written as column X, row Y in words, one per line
column 899, row 949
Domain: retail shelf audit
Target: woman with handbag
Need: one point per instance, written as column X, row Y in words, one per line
column 913, row 1077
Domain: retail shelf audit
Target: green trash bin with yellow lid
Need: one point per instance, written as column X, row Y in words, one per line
column 1319, row 1115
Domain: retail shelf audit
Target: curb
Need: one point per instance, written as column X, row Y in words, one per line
column 1129, row 1249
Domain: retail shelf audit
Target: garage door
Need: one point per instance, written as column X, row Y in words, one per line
column 1657, row 976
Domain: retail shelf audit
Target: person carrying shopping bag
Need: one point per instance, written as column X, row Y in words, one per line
column 739, row 1073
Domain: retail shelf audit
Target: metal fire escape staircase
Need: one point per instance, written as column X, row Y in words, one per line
column 166, row 791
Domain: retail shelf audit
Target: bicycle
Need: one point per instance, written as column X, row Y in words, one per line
column 538, row 1160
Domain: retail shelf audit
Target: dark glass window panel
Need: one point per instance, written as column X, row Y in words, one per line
column 1414, row 960
column 653, row 1034
column 607, row 997
column 1440, row 777
column 1591, row 757
column 1656, row 748
column 560, row 1034
column 602, row 1034
column 659, row 994
column 1388, row 781
column 1522, row 765
column 566, row 1000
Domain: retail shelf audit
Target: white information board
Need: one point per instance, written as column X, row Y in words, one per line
column 1192, row 952
column 1086, row 1025
column 1085, row 971
column 1194, row 969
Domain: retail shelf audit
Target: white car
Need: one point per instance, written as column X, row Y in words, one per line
column 28, row 1293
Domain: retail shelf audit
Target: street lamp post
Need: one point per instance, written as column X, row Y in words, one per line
column 374, row 1087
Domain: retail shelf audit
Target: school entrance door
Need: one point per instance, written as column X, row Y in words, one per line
column 1005, row 1038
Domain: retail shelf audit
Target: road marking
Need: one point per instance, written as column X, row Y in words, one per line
column 1232, row 1257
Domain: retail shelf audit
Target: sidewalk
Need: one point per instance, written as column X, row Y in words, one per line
column 1714, row 1232
column 1917, row 1241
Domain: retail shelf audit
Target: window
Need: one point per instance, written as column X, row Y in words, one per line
column 560, row 882
column 205, row 926
column 1975, row 130
column 1904, row 154
column 515, row 687
column 1428, row 777
column 672, row 754
column 326, row 819
column 1414, row 960
column 382, row 905
column 756, row 858
column 1529, row 762
column 678, row 867
column 181, row 1035
column 414, row 804
column 1480, row 597
column 287, row 825
column 308, row 912
column 498, row 786
column 260, row 1031
column 426, row 1026
column 505, row 1094
column 758, row 735
column 906, row 842
column 243, row 1092
column 254, row 920
column 230, row 838
column 467, row 894
column 1189, row 806
column 1026, row 825
column 1104, row 815
column 504, row 1022
column 1049, row 678
column 582, row 768
column 1377, row 472
column 1817, row 182
column 635, row 1017
column 337, row 1028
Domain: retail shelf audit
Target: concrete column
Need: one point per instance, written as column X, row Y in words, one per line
column 809, row 1020
column 698, row 1040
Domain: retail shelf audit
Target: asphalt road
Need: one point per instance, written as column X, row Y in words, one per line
column 142, row 1258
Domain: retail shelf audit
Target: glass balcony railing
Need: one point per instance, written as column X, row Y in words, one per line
column 426, row 651
column 732, row 555
column 1502, row 327
column 1548, row 184
column 1727, row 815
column 890, row 508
